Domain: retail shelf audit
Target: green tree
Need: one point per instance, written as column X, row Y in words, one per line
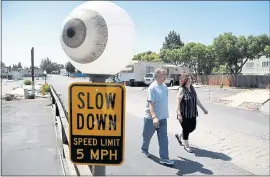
column 236, row 51
column 2, row 64
column 151, row 57
column 171, row 56
column 264, row 42
column 187, row 55
column 55, row 67
column 209, row 61
column 49, row 66
column 194, row 55
column 267, row 51
column 19, row 65
column 14, row 67
column 222, row 69
column 164, row 55
column 198, row 56
column 174, row 56
column 147, row 56
column 172, row 41
column 138, row 57
column 70, row 68
column 46, row 65
column 215, row 70
column 61, row 66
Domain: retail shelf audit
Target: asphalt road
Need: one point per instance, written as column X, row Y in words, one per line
column 227, row 139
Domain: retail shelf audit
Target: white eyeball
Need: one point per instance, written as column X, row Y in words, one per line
column 99, row 37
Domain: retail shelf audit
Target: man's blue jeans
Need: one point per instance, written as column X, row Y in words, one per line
column 148, row 131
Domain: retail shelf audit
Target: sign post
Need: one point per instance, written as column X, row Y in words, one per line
column 97, row 124
column 99, row 38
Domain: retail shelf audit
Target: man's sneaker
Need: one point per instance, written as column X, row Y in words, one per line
column 166, row 161
column 146, row 154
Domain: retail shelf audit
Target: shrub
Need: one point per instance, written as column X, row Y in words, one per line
column 8, row 97
column 46, row 88
column 27, row 82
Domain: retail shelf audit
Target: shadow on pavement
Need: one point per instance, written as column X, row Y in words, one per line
column 185, row 166
column 213, row 155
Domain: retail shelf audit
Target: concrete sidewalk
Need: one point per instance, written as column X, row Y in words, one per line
column 29, row 144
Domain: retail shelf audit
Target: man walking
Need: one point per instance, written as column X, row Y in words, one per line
column 156, row 115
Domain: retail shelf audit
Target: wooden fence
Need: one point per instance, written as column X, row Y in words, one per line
column 241, row 81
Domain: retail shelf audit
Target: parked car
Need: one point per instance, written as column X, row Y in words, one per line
column 114, row 80
column 81, row 75
column 148, row 78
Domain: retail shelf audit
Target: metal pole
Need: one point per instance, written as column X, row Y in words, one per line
column 32, row 64
column 209, row 92
column 45, row 75
column 98, row 170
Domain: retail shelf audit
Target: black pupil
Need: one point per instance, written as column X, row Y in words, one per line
column 70, row 32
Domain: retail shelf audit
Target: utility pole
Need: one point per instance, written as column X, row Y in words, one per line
column 33, row 71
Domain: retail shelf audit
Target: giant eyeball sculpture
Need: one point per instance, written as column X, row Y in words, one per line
column 99, row 37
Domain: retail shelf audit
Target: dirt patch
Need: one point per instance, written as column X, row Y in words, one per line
column 12, row 97
column 250, row 106
column 221, row 101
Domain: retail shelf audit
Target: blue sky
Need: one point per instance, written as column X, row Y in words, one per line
column 36, row 24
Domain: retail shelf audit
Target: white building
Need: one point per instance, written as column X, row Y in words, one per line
column 259, row 66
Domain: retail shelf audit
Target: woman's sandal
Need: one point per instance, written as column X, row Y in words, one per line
column 178, row 139
column 188, row 149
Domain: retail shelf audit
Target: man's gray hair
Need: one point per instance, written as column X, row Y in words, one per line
column 157, row 72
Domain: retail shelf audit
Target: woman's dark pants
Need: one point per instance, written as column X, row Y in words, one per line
column 188, row 126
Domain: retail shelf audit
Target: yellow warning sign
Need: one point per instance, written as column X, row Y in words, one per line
column 96, row 123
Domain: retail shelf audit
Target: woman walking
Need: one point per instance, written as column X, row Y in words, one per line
column 187, row 101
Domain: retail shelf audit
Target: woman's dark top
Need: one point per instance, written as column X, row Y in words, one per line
column 188, row 105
